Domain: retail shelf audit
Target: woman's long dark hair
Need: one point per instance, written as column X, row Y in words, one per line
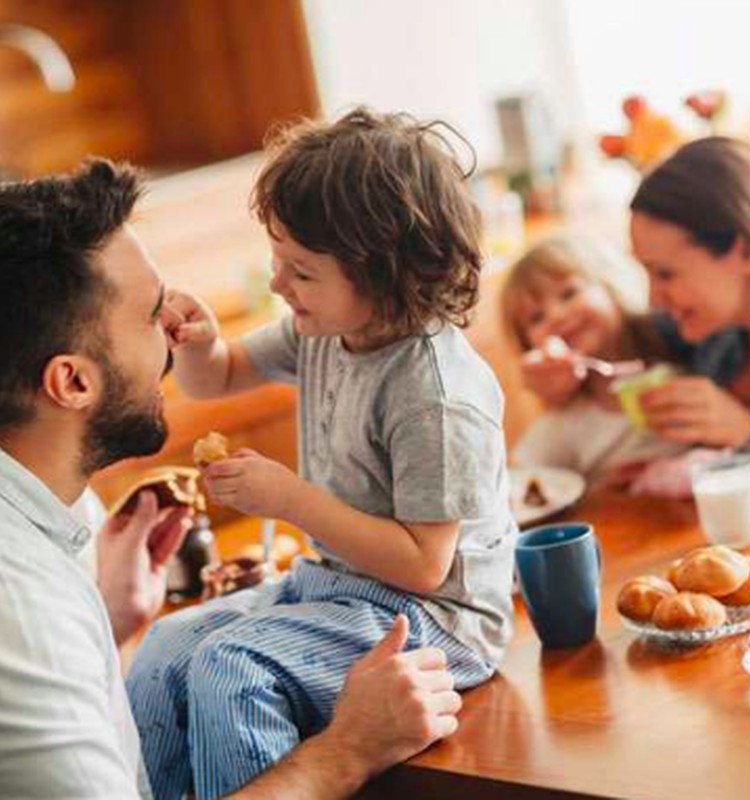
column 703, row 188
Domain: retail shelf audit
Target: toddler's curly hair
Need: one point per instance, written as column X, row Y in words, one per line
column 387, row 197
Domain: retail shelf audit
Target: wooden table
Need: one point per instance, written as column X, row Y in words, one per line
column 617, row 718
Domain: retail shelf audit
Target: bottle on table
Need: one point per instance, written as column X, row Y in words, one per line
column 184, row 570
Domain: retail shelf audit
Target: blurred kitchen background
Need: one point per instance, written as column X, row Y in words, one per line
column 188, row 89
column 171, row 84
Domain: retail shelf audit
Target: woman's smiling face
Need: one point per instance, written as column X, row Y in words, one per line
column 703, row 292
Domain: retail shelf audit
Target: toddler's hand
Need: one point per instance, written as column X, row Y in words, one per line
column 188, row 320
column 553, row 372
column 252, row 484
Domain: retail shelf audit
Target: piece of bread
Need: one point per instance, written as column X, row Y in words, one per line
column 689, row 611
column 716, row 570
column 672, row 569
column 739, row 597
column 639, row 597
column 213, row 447
column 173, row 487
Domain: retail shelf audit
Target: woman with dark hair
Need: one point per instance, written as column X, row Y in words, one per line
column 690, row 228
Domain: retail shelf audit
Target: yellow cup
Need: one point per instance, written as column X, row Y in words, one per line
column 629, row 390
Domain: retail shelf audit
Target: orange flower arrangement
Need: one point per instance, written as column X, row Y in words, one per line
column 651, row 136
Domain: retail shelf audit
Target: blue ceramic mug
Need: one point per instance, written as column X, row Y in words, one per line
column 559, row 572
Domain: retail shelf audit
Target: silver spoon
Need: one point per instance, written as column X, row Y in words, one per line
column 611, row 369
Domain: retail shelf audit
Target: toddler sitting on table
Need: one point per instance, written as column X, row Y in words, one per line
column 402, row 483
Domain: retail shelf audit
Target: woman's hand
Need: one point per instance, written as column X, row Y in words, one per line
column 553, row 372
column 622, row 476
column 672, row 477
column 252, row 484
column 695, row 410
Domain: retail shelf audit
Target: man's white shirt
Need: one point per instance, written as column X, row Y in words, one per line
column 66, row 730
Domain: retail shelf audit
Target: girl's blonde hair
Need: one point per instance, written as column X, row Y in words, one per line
column 564, row 255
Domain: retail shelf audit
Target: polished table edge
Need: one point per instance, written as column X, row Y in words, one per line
column 414, row 783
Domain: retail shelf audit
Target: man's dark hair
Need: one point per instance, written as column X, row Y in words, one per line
column 386, row 196
column 52, row 295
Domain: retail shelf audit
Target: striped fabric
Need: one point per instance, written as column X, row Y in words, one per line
column 222, row 691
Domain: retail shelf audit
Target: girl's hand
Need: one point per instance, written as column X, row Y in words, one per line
column 672, row 477
column 188, row 320
column 553, row 372
column 696, row 411
column 252, row 484
column 622, row 476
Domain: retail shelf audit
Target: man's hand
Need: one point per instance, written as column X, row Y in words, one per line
column 133, row 553
column 696, row 411
column 394, row 704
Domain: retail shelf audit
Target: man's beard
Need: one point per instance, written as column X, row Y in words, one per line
column 119, row 428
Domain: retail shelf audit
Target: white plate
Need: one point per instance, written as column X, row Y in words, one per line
column 738, row 621
column 561, row 487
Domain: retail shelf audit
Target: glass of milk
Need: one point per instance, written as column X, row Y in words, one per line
column 722, row 495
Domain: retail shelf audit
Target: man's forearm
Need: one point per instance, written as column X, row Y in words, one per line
column 319, row 769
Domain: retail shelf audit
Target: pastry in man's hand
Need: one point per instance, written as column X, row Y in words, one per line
column 715, row 570
column 213, row 447
column 689, row 611
column 639, row 597
column 174, row 487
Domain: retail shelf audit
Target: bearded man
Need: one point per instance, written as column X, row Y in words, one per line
column 84, row 346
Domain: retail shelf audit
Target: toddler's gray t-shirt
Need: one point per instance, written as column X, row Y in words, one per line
column 411, row 432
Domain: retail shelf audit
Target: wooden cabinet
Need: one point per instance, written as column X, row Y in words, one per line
column 213, row 76
column 163, row 83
